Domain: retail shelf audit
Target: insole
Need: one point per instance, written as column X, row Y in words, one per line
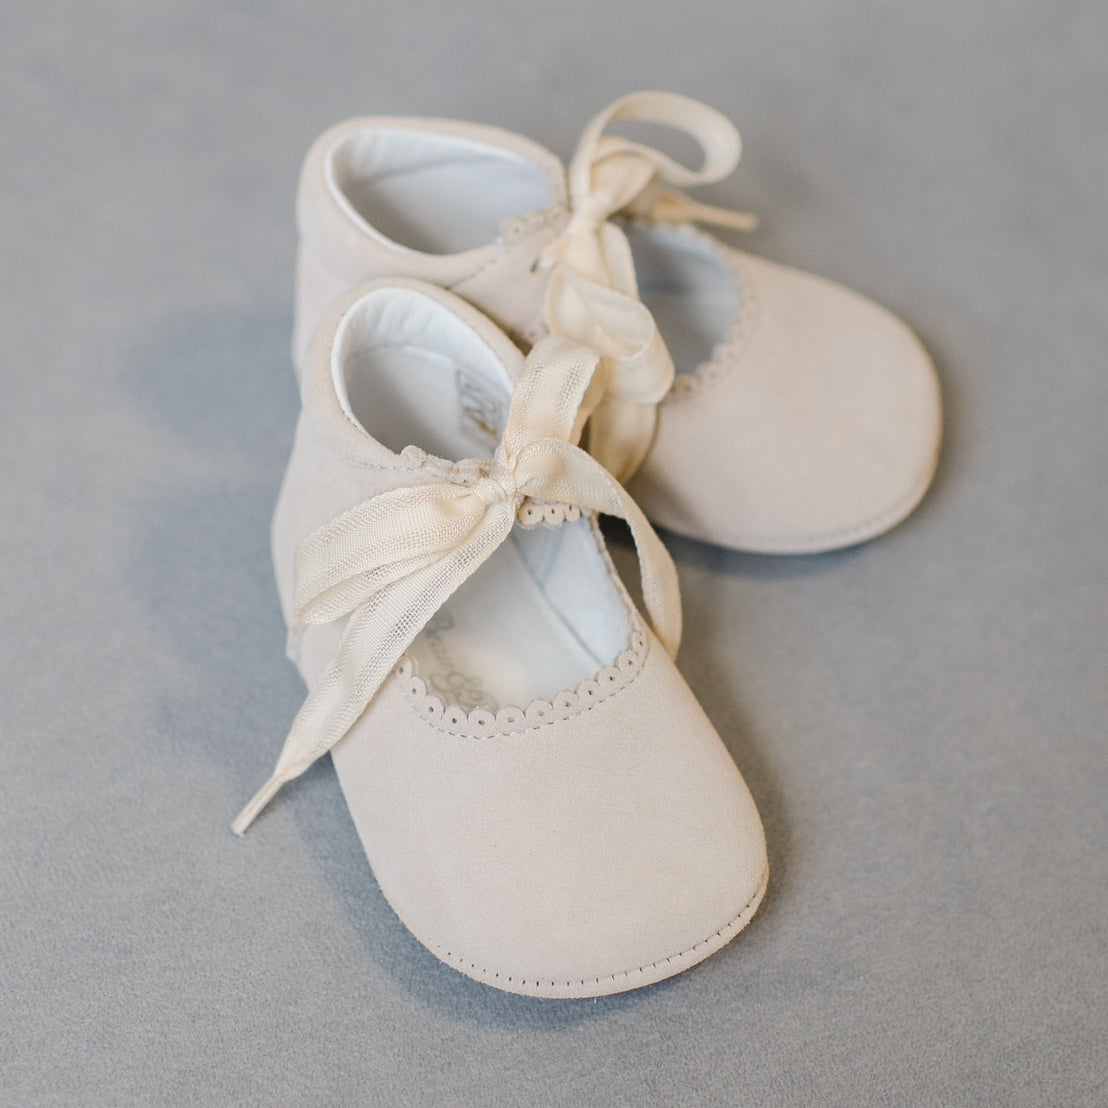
column 499, row 641
column 454, row 203
column 404, row 395
column 541, row 614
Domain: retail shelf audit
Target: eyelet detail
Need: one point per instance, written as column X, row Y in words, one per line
column 483, row 722
column 589, row 691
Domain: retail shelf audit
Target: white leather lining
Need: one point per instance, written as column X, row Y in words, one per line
column 433, row 193
column 410, row 373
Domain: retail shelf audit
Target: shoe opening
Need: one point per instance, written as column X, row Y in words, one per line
column 544, row 612
column 434, row 193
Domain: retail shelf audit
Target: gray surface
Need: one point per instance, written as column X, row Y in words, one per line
column 922, row 720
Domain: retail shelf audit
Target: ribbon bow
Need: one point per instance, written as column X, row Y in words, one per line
column 593, row 296
column 391, row 562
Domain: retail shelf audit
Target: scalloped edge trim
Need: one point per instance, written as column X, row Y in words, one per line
column 483, row 723
column 539, row 985
column 547, row 513
column 726, row 353
column 530, row 514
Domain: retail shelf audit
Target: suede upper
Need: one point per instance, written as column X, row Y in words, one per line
column 606, row 844
column 820, row 425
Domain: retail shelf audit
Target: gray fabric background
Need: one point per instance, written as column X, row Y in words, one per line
column 921, row 720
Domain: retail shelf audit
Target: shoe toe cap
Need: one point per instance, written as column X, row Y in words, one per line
column 818, row 428
column 587, row 857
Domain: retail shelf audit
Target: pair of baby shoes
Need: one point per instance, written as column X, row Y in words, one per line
column 542, row 800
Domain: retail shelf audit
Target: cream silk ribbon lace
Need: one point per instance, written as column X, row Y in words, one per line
column 593, row 296
column 393, row 561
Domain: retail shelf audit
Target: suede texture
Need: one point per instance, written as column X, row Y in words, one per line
column 815, row 423
column 921, row 720
column 340, row 251
column 819, row 428
column 579, row 857
column 576, row 858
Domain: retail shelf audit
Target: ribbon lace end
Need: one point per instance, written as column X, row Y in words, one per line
column 743, row 221
column 260, row 799
column 670, row 206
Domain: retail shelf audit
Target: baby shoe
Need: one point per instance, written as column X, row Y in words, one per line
column 803, row 417
column 542, row 799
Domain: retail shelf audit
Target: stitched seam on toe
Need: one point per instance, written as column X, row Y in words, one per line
column 860, row 530
column 456, row 960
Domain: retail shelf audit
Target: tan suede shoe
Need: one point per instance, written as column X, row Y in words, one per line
column 801, row 416
column 542, row 800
